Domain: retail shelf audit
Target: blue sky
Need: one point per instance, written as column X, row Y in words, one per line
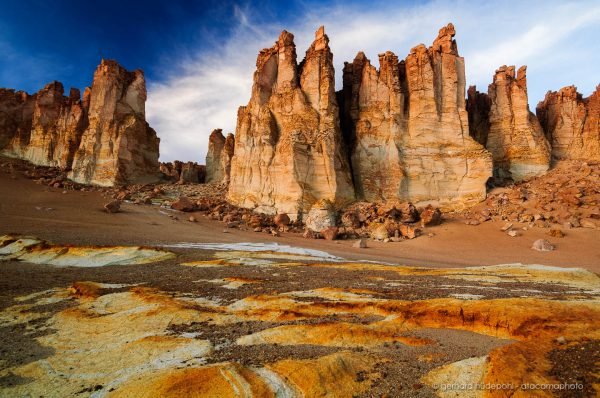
column 199, row 56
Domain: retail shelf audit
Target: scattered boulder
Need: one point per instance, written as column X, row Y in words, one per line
column 113, row 206
column 321, row 216
column 330, row 233
column 556, row 233
column 379, row 231
column 408, row 231
column 430, row 216
column 183, row 204
column 542, row 245
column 281, row 220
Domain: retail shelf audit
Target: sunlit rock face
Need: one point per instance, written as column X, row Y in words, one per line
column 218, row 157
column 571, row 123
column 408, row 127
column 57, row 126
column 516, row 139
column 118, row 146
column 288, row 144
column 16, row 116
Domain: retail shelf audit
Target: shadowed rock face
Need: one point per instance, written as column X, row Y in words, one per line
column 478, row 108
column 288, row 152
column 218, row 157
column 409, row 128
column 516, row 139
column 571, row 123
column 16, row 116
column 118, row 146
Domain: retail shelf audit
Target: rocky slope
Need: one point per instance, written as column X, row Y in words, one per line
column 103, row 138
column 288, row 152
column 571, row 123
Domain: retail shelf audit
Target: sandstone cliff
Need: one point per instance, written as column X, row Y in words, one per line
column 288, row 152
column 118, row 146
column 571, row 123
column 58, row 124
column 515, row 137
column 218, row 157
column 409, row 127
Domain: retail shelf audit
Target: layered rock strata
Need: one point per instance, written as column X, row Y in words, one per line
column 515, row 139
column 409, row 129
column 571, row 123
column 118, row 146
column 288, row 144
column 218, row 157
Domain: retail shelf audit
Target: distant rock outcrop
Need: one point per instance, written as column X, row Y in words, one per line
column 515, row 139
column 218, row 157
column 58, row 124
column 288, row 149
column 571, row 123
column 16, row 117
column 118, row 146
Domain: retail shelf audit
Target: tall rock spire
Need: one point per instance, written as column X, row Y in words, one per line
column 516, row 139
column 118, row 146
column 288, row 141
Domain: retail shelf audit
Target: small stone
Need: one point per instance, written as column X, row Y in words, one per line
column 431, row 234
column 542, row 245
column 113, row 207
column 512, row 233
column 257, row 229
column 275, row 233
column 183, row 204
column 360, row 244
column 192, row 219
column 556, row 233
column 561, row 340
column 506, row 227
column 386, row 240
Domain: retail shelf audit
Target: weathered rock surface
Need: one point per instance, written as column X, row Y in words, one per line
column 118, row 146
column 443, row 164
column 408, row 128
column 571, row 123
column 218, row 157
column 57, row 126
column 516, row 139
column 288, row 152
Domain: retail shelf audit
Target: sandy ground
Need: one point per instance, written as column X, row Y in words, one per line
column 183, row 322
column 77, row 217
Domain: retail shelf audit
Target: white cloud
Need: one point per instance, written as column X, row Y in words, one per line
column 555, row 39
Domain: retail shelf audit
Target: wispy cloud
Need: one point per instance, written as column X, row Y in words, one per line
column 555, row 39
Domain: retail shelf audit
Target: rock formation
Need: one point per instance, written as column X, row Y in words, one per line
column 192, row 172
column 218, row 157
column 58, row 124
column 50, row 127
column 16, row 116
column 409, row 128
column 288, row 152
column 118, row 146
column 515, row 138
column 571, row 123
